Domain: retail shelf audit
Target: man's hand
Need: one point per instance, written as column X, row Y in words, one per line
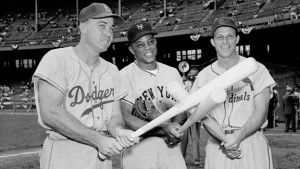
column 172, row 136
column 232, row 146
column 125, row 139
column 109, row 146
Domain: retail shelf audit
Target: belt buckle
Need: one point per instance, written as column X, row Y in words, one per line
column 105, row 133
column 230, row 131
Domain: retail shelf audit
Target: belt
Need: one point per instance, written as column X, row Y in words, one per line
column 105, row 133
column 231, row 131
column 58, row 137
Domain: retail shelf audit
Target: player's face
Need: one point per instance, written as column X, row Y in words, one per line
column 144, row 49
column 224, row 41
column 99, row 33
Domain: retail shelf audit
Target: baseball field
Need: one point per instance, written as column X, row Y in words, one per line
column 21, row 138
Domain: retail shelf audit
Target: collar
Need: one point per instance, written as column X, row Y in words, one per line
column 145, row 70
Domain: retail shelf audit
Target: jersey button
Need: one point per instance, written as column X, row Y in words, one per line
column 98, row 117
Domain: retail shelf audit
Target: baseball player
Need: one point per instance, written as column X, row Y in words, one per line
column 245, row 110
column 146, row 79
column 77, row 97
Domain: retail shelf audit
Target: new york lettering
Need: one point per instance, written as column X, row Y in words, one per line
column 148, row 94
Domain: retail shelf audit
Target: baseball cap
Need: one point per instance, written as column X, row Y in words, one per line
column 98, row 11
column 223, row 22
column 138, row 30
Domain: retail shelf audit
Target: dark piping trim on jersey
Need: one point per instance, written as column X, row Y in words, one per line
column 121, row 96
column 146, row 70
column 264, row 89
column 126, row 101
column 40, row 76
column 211, row 67
column 268, row 149
column 224, row 102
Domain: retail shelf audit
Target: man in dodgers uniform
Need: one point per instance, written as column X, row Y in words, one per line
column 146, row 79
column 245, row 110
column 77, row 95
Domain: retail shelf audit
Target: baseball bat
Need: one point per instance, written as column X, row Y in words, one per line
column 210, row 102
column 196, row 114
column 231, row 76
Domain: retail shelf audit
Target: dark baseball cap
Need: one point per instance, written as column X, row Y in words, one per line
column 138, row 30
column 223, row 22
column 98, row 11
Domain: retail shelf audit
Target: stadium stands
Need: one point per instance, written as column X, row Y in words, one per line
column 180, row 14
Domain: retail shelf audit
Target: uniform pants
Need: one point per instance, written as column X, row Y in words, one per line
column 256, row 154
column 194, row 132
column 153, row 153
column 68, row 154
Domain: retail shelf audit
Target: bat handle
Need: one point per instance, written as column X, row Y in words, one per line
column 134, row 135
column 101, row 156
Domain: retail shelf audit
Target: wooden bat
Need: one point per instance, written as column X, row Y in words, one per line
column 216, row 97
column 203, row 108
column 225, row 80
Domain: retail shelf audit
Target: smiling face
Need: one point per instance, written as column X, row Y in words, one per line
column 145, row 51
column 224, row 41
column 98, row 33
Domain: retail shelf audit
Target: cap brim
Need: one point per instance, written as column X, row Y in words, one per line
column 117, row 19
column 139, row 35
column 214, row 30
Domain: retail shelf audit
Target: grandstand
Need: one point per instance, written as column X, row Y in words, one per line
column 266, row 26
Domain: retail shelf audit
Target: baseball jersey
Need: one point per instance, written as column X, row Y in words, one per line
column 145, row 85
column 239, row 104
column 151, row 85
column 89, row 93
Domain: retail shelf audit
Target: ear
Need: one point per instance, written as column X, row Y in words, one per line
column 237, row 39
column 83, row 27
column 212, row 41
column 131, row 49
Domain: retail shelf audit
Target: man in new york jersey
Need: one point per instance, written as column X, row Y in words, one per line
column 146, row 79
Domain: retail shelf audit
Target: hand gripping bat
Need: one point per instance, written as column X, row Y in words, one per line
column 215, row 97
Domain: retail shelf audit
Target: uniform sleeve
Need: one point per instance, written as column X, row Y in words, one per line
column 52, row 69
column 125, row 82
column 262, row 80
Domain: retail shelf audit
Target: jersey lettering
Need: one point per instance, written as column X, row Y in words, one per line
column 237, row 98
column 149, row 95
column 79, row 96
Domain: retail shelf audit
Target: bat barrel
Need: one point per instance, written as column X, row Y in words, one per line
column 215, row 97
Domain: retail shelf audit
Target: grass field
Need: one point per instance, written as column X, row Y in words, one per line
column 21, row 133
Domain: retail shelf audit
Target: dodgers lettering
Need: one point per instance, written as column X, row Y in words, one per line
column 79, row 95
